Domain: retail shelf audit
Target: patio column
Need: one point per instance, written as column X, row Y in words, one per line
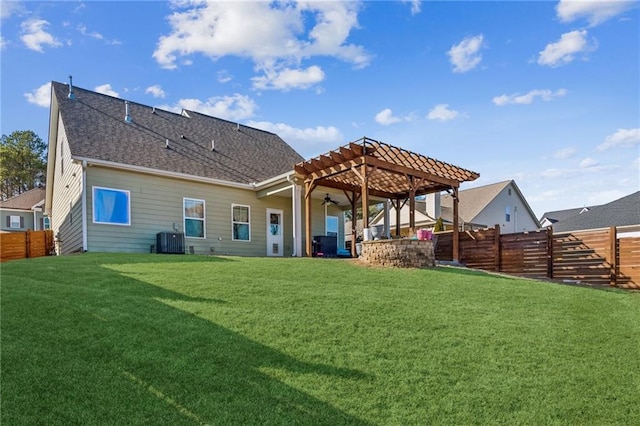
column 308, row 189
column 365, row 196
column 296, row 195
column 398, row 207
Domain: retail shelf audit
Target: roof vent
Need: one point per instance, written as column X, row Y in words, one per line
column 127, row 116
column 238, row 126
column 166, row 143
column 182, row 137
column 213, row 144
column 71, row 95
column 153, row 111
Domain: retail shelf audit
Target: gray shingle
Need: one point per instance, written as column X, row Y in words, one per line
column 96, row 129
column 621, row 212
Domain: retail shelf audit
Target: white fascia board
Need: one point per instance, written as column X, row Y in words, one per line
column 284, row 177
column 52, row 150
column 9, row 209
column 164, row 173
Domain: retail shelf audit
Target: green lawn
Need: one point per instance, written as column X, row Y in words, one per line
column 158, row 339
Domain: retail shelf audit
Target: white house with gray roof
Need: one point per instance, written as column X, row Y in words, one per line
column 500, row 203
column 120, row 172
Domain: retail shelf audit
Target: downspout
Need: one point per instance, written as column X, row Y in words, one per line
column 35, row 220
column 84, row 205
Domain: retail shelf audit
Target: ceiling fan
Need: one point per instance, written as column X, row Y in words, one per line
column 328, row 200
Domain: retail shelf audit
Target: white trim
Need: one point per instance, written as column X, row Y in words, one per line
column 83, row 184
column 284, row 177
column 165, row 173
column 204, row 218
column 296, row 209
column 20, row 219
column 248, row 223
column 280, row 236
column 93, row 206
column 9, row 209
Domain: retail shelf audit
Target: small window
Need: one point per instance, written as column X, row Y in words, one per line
column 507, row 214
column 111, row 206
column 15, row 222
column 509, row 191
column 331, row 226
column 193, row 218
column 46, row 223
column 240, row 221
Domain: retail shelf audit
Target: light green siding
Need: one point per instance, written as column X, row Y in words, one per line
column 27, row 220
column 157, row 206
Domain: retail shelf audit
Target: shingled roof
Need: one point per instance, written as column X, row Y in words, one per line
column 621, row 212
column 25, row 201
column 96, row 130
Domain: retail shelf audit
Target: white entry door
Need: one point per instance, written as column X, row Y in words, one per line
column 275, row 238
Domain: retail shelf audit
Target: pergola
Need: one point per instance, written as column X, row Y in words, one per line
column 367, row 168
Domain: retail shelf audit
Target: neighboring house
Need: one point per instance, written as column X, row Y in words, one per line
column 120, row 172
column 23, row 212
column 624, row 211
column 549, row 218
column 485, row 206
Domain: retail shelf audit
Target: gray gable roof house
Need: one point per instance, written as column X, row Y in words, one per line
column 24, row 211
column 119, row 173
column 500, row 203
column 624, row 211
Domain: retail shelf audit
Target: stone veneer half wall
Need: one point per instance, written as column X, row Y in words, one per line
column 403, row 253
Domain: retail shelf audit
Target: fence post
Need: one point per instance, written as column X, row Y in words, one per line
column 496, row 236
column 28, row 243
column 549, row 252
column 613, row 255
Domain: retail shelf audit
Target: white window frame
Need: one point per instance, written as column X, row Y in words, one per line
column 93, row 206
column 204, row 217
column 15, row 220
column 248, row 223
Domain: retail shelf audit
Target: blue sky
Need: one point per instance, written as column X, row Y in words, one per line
column 544, row 92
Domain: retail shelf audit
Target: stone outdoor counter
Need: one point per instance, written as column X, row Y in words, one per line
column 403, row 253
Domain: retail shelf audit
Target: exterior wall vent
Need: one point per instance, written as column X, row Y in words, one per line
column 170, row 242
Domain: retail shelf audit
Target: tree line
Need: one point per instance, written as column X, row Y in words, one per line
column 23, row 163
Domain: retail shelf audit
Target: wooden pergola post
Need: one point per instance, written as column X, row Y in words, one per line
column 365, row 196
column 353, row 199
column 412, row 207
column 456, row 232
column 309, row 186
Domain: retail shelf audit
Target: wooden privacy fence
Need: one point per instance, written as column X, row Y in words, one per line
column 21, row 245
column 591, row 257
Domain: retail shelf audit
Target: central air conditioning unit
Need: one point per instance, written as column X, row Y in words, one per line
column 170, row 242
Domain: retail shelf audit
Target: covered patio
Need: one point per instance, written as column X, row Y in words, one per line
column 368, row 168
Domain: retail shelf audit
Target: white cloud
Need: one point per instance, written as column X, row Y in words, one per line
column 516, row 98
column 224, row 76
column 621, row 138
column 9, row 8
column 588, row 162
column 85, row 32
column 416, row 6
column 155, row 90
column 386, row 117
column 106, row 89
column 34, row 35
column 465, row 55
column 554, row 173
column 272, row 34
column 308, row 141
column 40, row 96
column 235, row 108
column 3, row 43
column 564, row 50
column 595, row 12
column 442, row 112
column 564, row 153
column 287, row 79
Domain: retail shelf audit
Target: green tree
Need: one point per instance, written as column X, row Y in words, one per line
column 23, row 163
